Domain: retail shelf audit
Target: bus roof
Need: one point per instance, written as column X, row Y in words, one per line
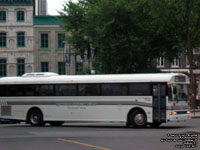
column 157, row 77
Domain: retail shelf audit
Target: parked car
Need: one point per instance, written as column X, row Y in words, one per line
column 6, row 121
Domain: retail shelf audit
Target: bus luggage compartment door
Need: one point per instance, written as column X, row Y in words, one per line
column 159, row 103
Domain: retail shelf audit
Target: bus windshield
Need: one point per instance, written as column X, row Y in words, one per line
column 180, row 92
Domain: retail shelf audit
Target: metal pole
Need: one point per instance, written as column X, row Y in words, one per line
column 64, row 55
column 69, row 59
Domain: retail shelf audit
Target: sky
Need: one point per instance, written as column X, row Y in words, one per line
column 55, row 5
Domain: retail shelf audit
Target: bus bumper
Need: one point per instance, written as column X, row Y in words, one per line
column 176, row 118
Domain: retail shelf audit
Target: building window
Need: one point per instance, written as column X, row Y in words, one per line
column 44, row 66
column 61, row 68
column 20, row 67
column 20, row 39
column 160, row 61
column 175, row 62
column 20, row 16
column 61, row 38
column 44, row 40
column 3, row 70
column 2, row 16
column 2, row 39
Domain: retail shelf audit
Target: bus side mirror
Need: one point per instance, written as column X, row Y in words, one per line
column 174, row 90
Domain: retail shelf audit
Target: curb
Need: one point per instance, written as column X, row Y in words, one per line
column 195, row 114
column 195, row 117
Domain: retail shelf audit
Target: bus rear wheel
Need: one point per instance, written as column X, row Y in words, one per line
column 35, row 118
column 138, row 119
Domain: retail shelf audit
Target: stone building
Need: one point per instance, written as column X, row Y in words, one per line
column 16, row 37
column 31, row 41
column 50, row 48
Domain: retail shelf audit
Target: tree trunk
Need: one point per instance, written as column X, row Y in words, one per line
column 192, row 77
column 192, row 89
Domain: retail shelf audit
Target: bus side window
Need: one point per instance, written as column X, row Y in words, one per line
column 11, row 90
column 88, row 90
column 65, row 90
column 30, row 90
column 139, row 89
column 44, row 90
column 20, row 90
column 114, row 89
column 2, row 90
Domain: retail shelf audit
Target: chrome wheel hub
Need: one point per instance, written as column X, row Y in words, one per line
column 139, row 119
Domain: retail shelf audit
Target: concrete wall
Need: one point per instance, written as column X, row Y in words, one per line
column 52, row 55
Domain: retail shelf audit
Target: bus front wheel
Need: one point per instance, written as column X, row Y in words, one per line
column 35, row 118
column 138, row 119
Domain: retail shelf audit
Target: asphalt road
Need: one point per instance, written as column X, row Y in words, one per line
column 100, row 136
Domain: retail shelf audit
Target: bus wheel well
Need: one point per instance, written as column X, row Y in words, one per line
column 133, row 110
column 31, row 110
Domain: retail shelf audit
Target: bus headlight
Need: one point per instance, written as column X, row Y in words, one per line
column 189, row 112
column 173, row 113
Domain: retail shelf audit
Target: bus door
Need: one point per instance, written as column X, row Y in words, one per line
column 159, row 102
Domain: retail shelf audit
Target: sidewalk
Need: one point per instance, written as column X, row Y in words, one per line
column 196, row 113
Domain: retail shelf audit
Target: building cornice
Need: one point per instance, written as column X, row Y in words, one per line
column 16, row 2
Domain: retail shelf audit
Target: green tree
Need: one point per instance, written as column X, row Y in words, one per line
column 73, row 18
column 180, row 21
column 120, row 31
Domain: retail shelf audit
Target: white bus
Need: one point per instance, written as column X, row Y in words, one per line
column 135, row 99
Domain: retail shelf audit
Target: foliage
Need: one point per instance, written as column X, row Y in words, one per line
column 178, row 20
column 127, row 35
column 120, row 32
column 73, row 17
column 84, row 70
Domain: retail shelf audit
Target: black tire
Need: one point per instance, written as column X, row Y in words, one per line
column 56, row 123
column 155, row 124
column 128, row 124
column 35, row 118
column 138, row 119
